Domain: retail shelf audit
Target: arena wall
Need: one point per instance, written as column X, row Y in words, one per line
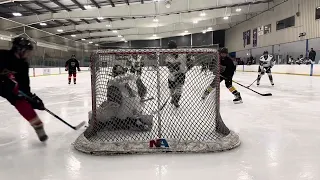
column 304, row 12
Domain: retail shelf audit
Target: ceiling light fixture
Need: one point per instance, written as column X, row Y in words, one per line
column 43, row 24
column 122, row 39
column 238, row 9
column 154, row 35
column 73, row 35
column 125, row 41
column 119, row 35
column 209, row 28
column 90, row 42
column 168, row 3
column 202, row 14
column 114, row 31
column 195, row 22
column 100, row 18
column 59, row 30
column 16, row 14
column 83, row 39
column 226, row 17
column 204, row 31
column 87, row 7
column 186, row 31
column 96, row 44
column 155, row 20
column 108, row 25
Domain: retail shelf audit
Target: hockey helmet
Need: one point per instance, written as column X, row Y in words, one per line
column 73, row 56
column 223, row 50
column 21, row 44
column 172, row 44
column 265, row 53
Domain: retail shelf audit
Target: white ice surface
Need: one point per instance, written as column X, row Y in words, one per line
column 280, row 138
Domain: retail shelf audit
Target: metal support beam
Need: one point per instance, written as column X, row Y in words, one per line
column 95, row 3
column 111, row 2
column 44, row 7
column 61, row 5
column 78, row 4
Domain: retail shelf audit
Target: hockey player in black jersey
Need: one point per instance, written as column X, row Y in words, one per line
column 71, row 66
column 14, row 77
column 227, row 69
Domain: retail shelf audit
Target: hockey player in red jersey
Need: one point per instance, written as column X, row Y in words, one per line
column 14, row 77
column 71, row 66
column 227, row 69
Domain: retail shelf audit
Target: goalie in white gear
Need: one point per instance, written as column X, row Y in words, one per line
column 123, row 109
column 266, row 62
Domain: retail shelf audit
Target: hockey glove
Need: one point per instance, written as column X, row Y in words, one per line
column 36, row 102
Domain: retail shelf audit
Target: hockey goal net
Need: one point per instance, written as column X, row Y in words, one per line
column 139, row 112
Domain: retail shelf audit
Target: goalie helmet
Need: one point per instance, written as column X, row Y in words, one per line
column 223, row 50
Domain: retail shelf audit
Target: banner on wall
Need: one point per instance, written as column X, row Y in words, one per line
column 260, row 30
column 246, row 38
column 255, row 37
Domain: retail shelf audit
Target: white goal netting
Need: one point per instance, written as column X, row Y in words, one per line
column 149, row 101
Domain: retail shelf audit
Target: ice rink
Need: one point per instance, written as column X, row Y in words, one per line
column 280, row 137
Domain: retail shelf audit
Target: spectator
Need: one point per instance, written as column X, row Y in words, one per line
column 312, row 55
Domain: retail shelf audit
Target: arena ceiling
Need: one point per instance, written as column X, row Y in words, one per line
column 102, row 21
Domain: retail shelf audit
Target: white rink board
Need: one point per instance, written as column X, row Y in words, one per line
column 34, row 72
column 285, row 69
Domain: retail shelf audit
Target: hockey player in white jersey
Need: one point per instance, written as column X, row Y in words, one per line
column 266, row 62
column 122, row 109
column 136, row 66
column 177, row 65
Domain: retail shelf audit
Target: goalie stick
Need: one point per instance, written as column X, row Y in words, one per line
column 54, row 115
column 261, row 94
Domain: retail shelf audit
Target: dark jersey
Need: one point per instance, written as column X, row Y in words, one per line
column 227, row 64
column 8, row 61
column 72, row 65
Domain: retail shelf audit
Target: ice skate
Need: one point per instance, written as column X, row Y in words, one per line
column 272, row 83
column 238, row 99
column 69, row 82
column 41, row 133
column 258, row 83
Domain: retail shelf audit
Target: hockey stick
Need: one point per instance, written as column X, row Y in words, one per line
column 267, row 94
column 252, row 83
column 54, row 115
column 161, row 108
